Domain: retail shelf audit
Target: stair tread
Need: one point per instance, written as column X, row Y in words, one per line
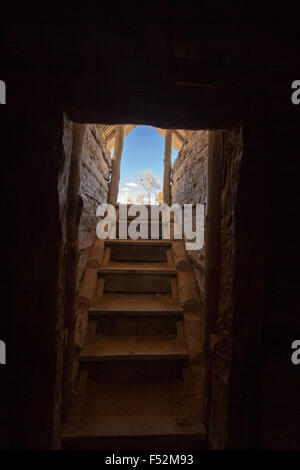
column 186, row 430
column 138, row 264
column 136, row 268
column 136, row 408
column 133, row 348
column 141, row 401
column 136, row 303
column 128, row 241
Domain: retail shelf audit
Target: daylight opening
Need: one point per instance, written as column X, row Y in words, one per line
column 141, row 154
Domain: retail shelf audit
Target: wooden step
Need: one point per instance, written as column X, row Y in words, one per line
column 134, row 358
column 138, row 250
column 136, row 325
column 131, row 414
column 136, row 371
column 115, row 241
column 134, row 268
column 139, row 265
column 181, row 440
column 124, row 348
column 135, row 314
column 137, row 278
column 136, row 304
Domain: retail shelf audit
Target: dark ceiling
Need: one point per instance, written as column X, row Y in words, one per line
column 168, row 64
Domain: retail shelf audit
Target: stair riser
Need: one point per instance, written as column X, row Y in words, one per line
column 133, row 325
column 138, row 253
column 158, row 442
column 137, row 283
column 132, row 371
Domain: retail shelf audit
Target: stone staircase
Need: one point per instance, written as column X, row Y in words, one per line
column 139, row 348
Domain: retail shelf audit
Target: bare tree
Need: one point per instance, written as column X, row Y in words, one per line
column 148, row 182
column 140, row 198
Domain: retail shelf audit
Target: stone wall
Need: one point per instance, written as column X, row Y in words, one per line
column 190, row 170
column 84, row 166
column 94, row 177
column 189, row 181
column 65, row 297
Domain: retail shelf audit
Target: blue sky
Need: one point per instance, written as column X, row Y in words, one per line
column 143, row 150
